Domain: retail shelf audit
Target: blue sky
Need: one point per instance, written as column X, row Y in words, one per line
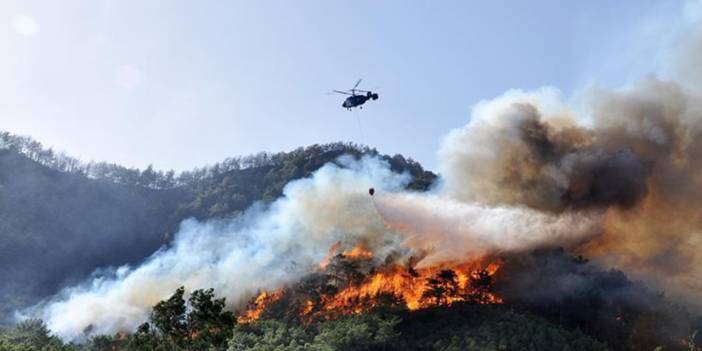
column 180, row 84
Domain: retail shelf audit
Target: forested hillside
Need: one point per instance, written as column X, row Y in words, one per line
column 61, row 219
column 57, row 227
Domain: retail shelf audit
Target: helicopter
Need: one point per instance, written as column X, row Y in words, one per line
column 356, row 100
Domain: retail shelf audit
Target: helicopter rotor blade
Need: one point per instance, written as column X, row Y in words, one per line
column 341, row 92
column 357, row 83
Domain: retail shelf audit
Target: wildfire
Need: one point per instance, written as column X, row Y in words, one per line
column 259, row 304
column 329, row 256
column 418, row 288
column 357, row 288
column 358, row 252
column 307, row 308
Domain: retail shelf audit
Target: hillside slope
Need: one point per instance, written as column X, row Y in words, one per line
column 57, row 227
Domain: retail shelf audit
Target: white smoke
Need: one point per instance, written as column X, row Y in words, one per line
column 450, row 230
column 262, row 249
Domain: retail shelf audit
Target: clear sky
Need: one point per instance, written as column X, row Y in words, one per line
column 180, row 84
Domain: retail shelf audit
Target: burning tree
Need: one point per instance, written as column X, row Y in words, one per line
column 481, row 288
column 345, row 270
column 353, row 281
column 442, row 289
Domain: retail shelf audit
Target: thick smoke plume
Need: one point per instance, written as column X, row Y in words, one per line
column 638, row 159
column 635, row 154
column 618, row 179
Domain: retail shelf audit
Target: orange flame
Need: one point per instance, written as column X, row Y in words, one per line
column 327, row 259
column 359, row 252
column 256, row 307
column 415, row 288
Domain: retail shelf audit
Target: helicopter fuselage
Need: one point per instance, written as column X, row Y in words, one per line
column 354, row 101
